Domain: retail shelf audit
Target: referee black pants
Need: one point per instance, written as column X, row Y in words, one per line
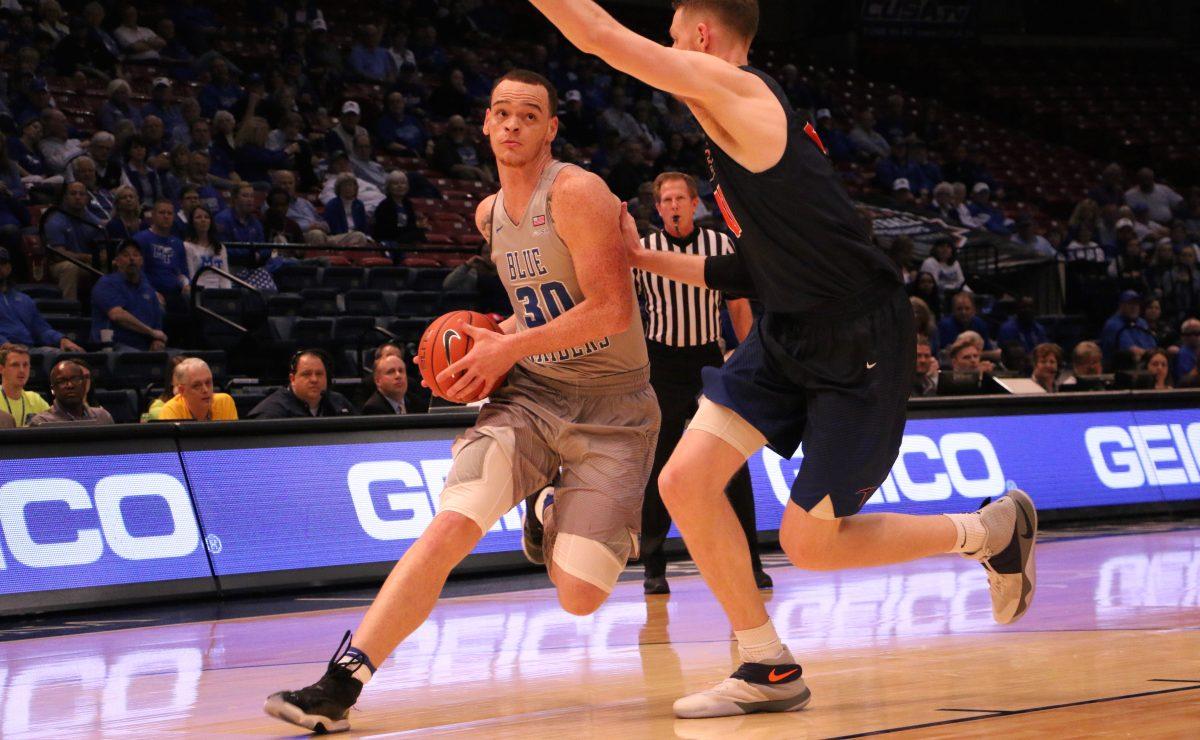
column 675, row 375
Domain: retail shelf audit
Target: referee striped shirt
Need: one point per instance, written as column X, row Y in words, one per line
column 680, row 315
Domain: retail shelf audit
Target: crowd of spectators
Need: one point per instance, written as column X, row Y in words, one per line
column 159, row 141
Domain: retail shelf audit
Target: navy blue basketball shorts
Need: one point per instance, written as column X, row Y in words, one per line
column 839, row 384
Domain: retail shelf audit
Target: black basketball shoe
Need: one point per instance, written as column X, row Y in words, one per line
column 325, row 706
column 533, row 531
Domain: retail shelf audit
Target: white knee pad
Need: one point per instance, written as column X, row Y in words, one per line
column 727, row 426
column 480, row 483
column 588, row 560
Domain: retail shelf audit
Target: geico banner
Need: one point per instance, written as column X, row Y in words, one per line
column 101, row 520
column 1064, row 460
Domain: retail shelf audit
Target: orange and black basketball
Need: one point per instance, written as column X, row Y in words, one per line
column 445, row 343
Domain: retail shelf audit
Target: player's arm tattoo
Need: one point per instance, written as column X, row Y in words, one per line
column 549, row 209
column 486, row 227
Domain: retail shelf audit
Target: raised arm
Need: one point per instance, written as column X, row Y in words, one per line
column 688, row 74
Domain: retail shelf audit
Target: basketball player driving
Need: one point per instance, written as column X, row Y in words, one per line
column 576, row 413
column 829, row 363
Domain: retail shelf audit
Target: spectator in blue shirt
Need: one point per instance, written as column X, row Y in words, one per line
column 985, row 213
column 20, row 320
column 1186, row 372
column 1022, row 328
column 23, row 148
column 221, row 93
column 345, row 212
column 72, row 229
column 964, row 317
column 163, row 255
column 238, row 223
column 1125, row 329
column 124, row 303
column 162, row 104
column 398, row 131
column 371, row 61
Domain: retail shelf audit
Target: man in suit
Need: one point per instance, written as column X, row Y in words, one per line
column 391, row 383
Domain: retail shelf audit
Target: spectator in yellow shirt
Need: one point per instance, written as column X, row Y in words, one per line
column 194, row 398
column 20, row 404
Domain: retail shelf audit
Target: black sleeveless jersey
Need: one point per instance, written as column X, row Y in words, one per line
column 800, row 238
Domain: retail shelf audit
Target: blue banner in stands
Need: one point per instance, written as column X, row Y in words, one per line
column 918, row 19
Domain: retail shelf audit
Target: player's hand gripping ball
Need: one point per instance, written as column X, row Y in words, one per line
column 444, row 343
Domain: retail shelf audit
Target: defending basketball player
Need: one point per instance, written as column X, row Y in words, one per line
column 828, row 364
column 577, row 411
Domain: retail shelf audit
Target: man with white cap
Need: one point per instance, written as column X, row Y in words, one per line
column 985, row 213
column 902, row 192
column 341, row 137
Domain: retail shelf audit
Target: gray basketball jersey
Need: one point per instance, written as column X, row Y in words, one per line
column 537, row 271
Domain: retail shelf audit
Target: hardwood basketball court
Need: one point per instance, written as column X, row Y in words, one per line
column 1111, row 647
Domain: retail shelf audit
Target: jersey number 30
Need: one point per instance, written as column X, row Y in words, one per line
column 554, row 300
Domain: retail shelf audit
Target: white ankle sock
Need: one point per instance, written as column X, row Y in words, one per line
column 971, row 533
column 760, row 645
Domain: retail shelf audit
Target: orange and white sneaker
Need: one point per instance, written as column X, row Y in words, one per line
column 753, row 687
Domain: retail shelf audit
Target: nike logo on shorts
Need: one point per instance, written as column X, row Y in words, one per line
column 871, row 365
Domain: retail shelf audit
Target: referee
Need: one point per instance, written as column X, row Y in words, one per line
column 683, row 335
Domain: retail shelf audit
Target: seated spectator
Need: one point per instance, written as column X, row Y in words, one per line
column 1157, row 362
column 901, row 254
column 902, row 193
column 137, row 43
column 1022, row 328
column 206, row 185
column 56, row 146
column 922, row 174
column 1186, row 372
column 1146, row 229
column 1111, row 190
column 253, row 160
column 1129, row 267
column 19, row 403
column 869, row 143
column 345, row 212
column 1028, row 237
column 1160, row 327
column 925, row 321
column 1158, row 200
column 986, row 214
column 100, row 201
column 239, row 224
column 141, row 174
column 924, row 287
column 163, row 254
column 104, row 51
column 339, row 164
column 221, row 92
column 944, row 207
column 457, row 153
column 943, row 264
column 156, row 406
column 340, row 138
column 1181, row 286
column 1086, row 360
column 300, row 210
column 398, row 131
column 966, row 353
column 391, row 383
column 277, row 227
column 14, row 204
column 162, row 104
column 194, row 399
column 189, row 198
column 1125, row 329
column 224, row 142
column 211, row 165
column 1047, row 359
column 370, row 61
column 925, row 379
column 75, row 231
column 109, row 174
column 964, row 317
column 25, row 147
column 203, row 248
column 395, row 218
column 363, row 164
column 20, row 321
column 175, row 177
column 1083, row 247
column 307, row 393
column 70, row 381
column 125, row 309
column 117, row 107
column 127, row 217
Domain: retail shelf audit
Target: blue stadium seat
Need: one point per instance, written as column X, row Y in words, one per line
column 459, row 301
column 296, row 277
column 38, row 291
column 319, row 302
column 124, row 404
column 284, row 304
column 409, row 330
column 429, row 278
column 57, row 307
column 137, row 369
column 388, row 278
column 364, row 303
column 349, row 330
column 218, row 362
column 343, row 278
column 417, row 303
column 313, row 331
column 76, row 328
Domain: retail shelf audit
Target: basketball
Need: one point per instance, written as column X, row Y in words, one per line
column 445, row 343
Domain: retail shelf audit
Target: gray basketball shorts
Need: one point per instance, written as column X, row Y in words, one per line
column 592, row 440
